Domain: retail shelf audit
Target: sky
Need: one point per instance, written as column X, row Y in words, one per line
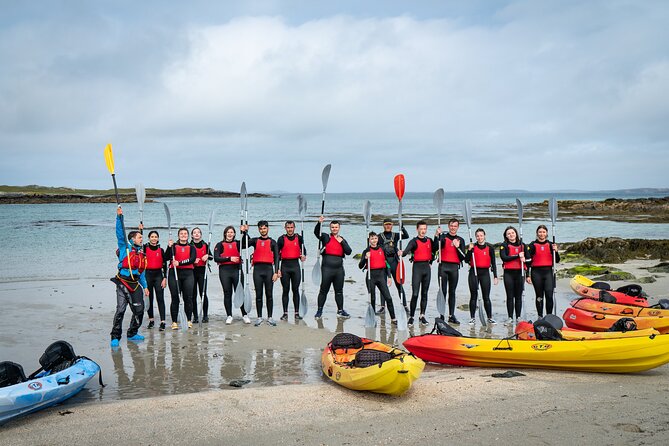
column 463, row 95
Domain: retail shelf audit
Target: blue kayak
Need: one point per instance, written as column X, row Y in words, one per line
column 45, row 391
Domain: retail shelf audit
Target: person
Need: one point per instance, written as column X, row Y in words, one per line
column 227, row 255
column 449, row 264
column 335, row 248
column 482, row 255
column 130, row 282
column 539, row 258
column 291, row 252
column 422, row 252
column 265, row 262
column 512, row 253
column 180, row 278
column 202, row 255
column 374, row 257
column 389, row 242
column 156, row 277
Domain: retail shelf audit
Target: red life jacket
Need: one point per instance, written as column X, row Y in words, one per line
column 513, row 250
column 377, row 258
column 291, row 248
column 543, row 255
column 154, row 258
column 423, row 252
column 334, row 248
column 449, row 253
column 262, row 252
column 481, row 256
column 135, row 260
column 199, row 252
column 230, row 250
column 181, row 253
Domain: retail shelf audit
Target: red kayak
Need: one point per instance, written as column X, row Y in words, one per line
column 589, row 321
column 597, row 306
column 602, row 291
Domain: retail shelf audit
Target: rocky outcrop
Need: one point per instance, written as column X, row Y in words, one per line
column 618, row 250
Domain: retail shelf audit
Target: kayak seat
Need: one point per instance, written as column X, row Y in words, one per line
column 631, row 290
column 346, row 341
column 444, row 329
column 11, row 373
column 663, row 304
column 545, row 331
column 605, row 296
column 370, row 357
column 601, row 286
column 623, row 324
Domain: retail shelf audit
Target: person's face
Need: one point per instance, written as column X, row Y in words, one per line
column 290, row 229
column 511, row 235
column 388, row 227
column 183, row 235
column 230, row 235
column 138, row 239
column 542, row 234
column 480, row 237
column 453, row 228
column 263, row 230
column 334, row 228
column 373, row 240
column 422, row 230
column 197, row 235
column 153, row 239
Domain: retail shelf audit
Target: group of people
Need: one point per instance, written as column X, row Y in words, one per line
column 146, row 269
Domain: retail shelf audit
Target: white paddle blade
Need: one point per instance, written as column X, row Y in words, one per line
column 248, row 300
column 316, row 273
column 367, row 212
column 519, row 204
column 370, row 317
column 553, row 210
column 325, row 176
column 167, row 215
column 304, row 305
column 438, row 200
column 441, row 302
column 468, row 212
column 301, row 206
column 243, row 196
column 183, row 322
column 401, row 316
column 481, row 313
column 141, row 195
column 238, row 297
column 211, row 222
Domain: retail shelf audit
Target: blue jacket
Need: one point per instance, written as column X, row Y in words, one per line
column 123, row 247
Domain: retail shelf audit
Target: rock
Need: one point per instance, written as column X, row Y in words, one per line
column 584, row 270
column 239, row 382
column 659, row 268
column 647, row 279
column 507, row 374
column 613, row 276
column 618, row 250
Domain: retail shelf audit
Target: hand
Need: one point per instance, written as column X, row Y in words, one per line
column 119, row 211
column 235, row 259
column 471, row 246
column 243, row 228
column 438, row 232
column 367, row 255
column 170, row 242
column 303, row 258
column 163, row 284
column 529, row 280
column 496, row 281
column 555, row 247
column 274, row 277
column 205, row 258
column 399, row 253
column 521, row 255
column 146, row 291
column 278, row 273
column 390, row 281
column 456, row 243
column 141, row 227
column 174, row 264
column 321, row 219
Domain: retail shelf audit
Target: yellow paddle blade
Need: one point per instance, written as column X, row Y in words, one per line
column 109, row 159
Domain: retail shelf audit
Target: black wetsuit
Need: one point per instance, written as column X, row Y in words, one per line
column 291, row 273
column 332, row 271
column 513, row 280
column 389, row 241
column 543, row 280
column 449, row 272
column 185, row 282
column 262, row 274
column 483, row 276
column 230, row 275
column 420, row 276
column 378, row 278
column 199, row 274
column 154, row 279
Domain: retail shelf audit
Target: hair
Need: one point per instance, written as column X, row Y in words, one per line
column 226, row 230
column 454, row 220
column 154, row 232
column 263, row 223
column 193, row 230
column 504, row 234
column 421, row 222
column 289, row 222
column 542, row 227
column 335, row 222
column 479, row 230
column 182, row 229
column 372, row 234
column 133, row 234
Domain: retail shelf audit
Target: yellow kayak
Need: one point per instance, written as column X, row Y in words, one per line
column 362, row 364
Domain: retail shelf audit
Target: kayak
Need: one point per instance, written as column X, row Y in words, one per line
column 602, row 290
column 590, row 321
column 362, row 364
column 525, row 330
column 597, row 306
column 41, row 392
column 604, row 355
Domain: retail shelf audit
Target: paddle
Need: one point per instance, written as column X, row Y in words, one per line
column 370, row 317
column 522, row 262
column 438, row 200
column 109, row 160
column 553, row 211
column 479, row 303
column 141, row 197
column 204, row 289
column 248, row 300
column 316, row 272
column 182, row 314
column 238, row 299
column 302, row 210
column 398, row 181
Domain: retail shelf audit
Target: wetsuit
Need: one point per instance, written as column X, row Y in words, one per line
column 484, row 255
column 422, row 252
column 199, row 267
column 539, row 258
column 332, row 268
column 389, row 242
column 130, row 283
column 513, row 277
column 185, row 255
column 290, row 250
column 449, row 266
column 229, row 272
column 265, row 262
column 156, row 271
column 378, row 277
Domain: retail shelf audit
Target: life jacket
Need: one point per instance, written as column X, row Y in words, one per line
column 481, row 256
column 543, row 255
column 291, row 248
column 135, row 260
column 334, row 248
column 230, row 250
column 423, row 252
column 513, row 250
column 377, row 258
column 181, row 253
column 154, row 257
column 449, row 253
column 199, row 252
column 262, row 252
column 388, row 244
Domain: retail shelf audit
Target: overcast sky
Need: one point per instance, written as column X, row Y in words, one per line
column 461, row 95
